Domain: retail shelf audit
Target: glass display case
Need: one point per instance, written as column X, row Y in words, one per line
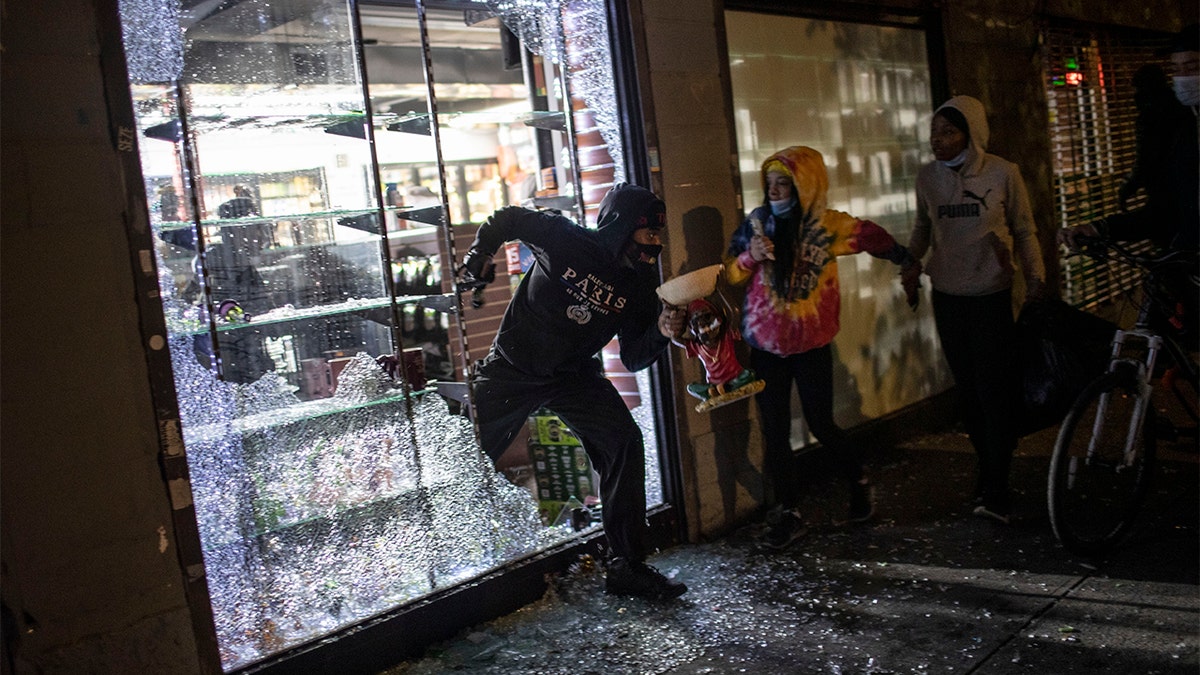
column 305, row 218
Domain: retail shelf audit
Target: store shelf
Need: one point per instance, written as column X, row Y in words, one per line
column 271, row 514
column 299, row 412
column 349, row 124
column 558, row 203
column 424, row 234
column 365, row 220
column 325, row 516
column 420, row 123
column 372, row 309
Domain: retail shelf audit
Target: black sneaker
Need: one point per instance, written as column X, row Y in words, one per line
column 641, row 580
column 862, row 502
column 788, row 529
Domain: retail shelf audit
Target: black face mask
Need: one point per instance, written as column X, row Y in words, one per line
column 648, row 253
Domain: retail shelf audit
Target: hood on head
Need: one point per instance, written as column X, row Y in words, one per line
column 976, row 116
column 624, row 209
column 806, row 167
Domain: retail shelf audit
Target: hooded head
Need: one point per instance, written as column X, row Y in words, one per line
column 1152, row 87
column 806, row 169
column 1185, row 57
column 968, row 111
column 625, row 210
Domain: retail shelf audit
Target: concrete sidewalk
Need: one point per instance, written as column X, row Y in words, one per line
column 926, row 588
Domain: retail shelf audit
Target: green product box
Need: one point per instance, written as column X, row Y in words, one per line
column 550, row 430
column 562, row 472
column 549, row 510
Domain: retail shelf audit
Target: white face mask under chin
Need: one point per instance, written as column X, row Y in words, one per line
column 957, row 161
column 782, row 207
column 1187, row 89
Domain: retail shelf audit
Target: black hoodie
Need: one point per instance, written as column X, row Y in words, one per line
column 581, row 289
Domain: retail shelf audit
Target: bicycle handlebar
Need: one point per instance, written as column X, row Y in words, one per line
column 1101, row 248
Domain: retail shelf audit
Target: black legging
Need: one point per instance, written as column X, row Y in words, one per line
column 978, row 337
column 812, row 372
column 590, row 406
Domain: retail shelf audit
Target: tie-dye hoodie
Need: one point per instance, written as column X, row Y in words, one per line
column 793, row 302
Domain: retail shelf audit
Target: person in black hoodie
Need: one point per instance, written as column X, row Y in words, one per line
column 1167, row 140
column 584, row 287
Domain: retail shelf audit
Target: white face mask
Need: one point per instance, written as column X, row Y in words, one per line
column 1187, row 89
column 957, row 161
column 782, row 207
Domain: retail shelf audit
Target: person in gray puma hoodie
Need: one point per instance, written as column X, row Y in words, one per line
column 973, row 219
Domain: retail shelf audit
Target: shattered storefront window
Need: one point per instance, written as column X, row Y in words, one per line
column 308, row 311
column 584, row 43
column 314, row 517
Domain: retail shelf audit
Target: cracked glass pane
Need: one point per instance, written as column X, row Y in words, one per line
column 153, row 40
column 585, row 42
column 315, row 517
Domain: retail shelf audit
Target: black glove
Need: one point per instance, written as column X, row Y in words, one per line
column 478, row 269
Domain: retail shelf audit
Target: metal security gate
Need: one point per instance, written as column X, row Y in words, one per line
column 1089, row 91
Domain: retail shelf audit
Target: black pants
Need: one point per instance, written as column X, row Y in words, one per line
column 591, row 407
column 978, row 337
column 812, row 372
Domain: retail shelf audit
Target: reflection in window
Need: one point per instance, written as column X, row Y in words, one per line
column 859, row 94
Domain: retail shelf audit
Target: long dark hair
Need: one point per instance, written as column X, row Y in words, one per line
column 788, row 235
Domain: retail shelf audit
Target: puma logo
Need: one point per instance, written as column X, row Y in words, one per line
column 982, row 200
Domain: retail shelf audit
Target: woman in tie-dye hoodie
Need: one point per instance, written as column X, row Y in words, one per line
column 785, row 253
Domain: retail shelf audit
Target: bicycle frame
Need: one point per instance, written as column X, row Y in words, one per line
column 1144, row 370
column 1103, row 458
column 1154, row 343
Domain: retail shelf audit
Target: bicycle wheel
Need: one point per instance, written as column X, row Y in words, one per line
column 1094, row 495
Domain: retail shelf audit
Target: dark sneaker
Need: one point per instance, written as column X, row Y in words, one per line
column 771, row 519
column 641, row 580
column 862, row 502
column 788, row 529
column 699, row 390
column 995, row 514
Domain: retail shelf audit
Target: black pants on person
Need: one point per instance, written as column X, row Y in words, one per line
column 978, row 337
column 812, row 373
column 590, row 406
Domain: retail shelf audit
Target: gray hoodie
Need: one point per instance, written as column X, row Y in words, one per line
column 971, row 221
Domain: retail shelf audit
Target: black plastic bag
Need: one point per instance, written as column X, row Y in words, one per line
column 1062, row 350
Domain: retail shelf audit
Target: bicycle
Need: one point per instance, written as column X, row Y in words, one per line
column 1104, row 456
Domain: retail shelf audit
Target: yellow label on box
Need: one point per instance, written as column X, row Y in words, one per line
column 550, row 430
